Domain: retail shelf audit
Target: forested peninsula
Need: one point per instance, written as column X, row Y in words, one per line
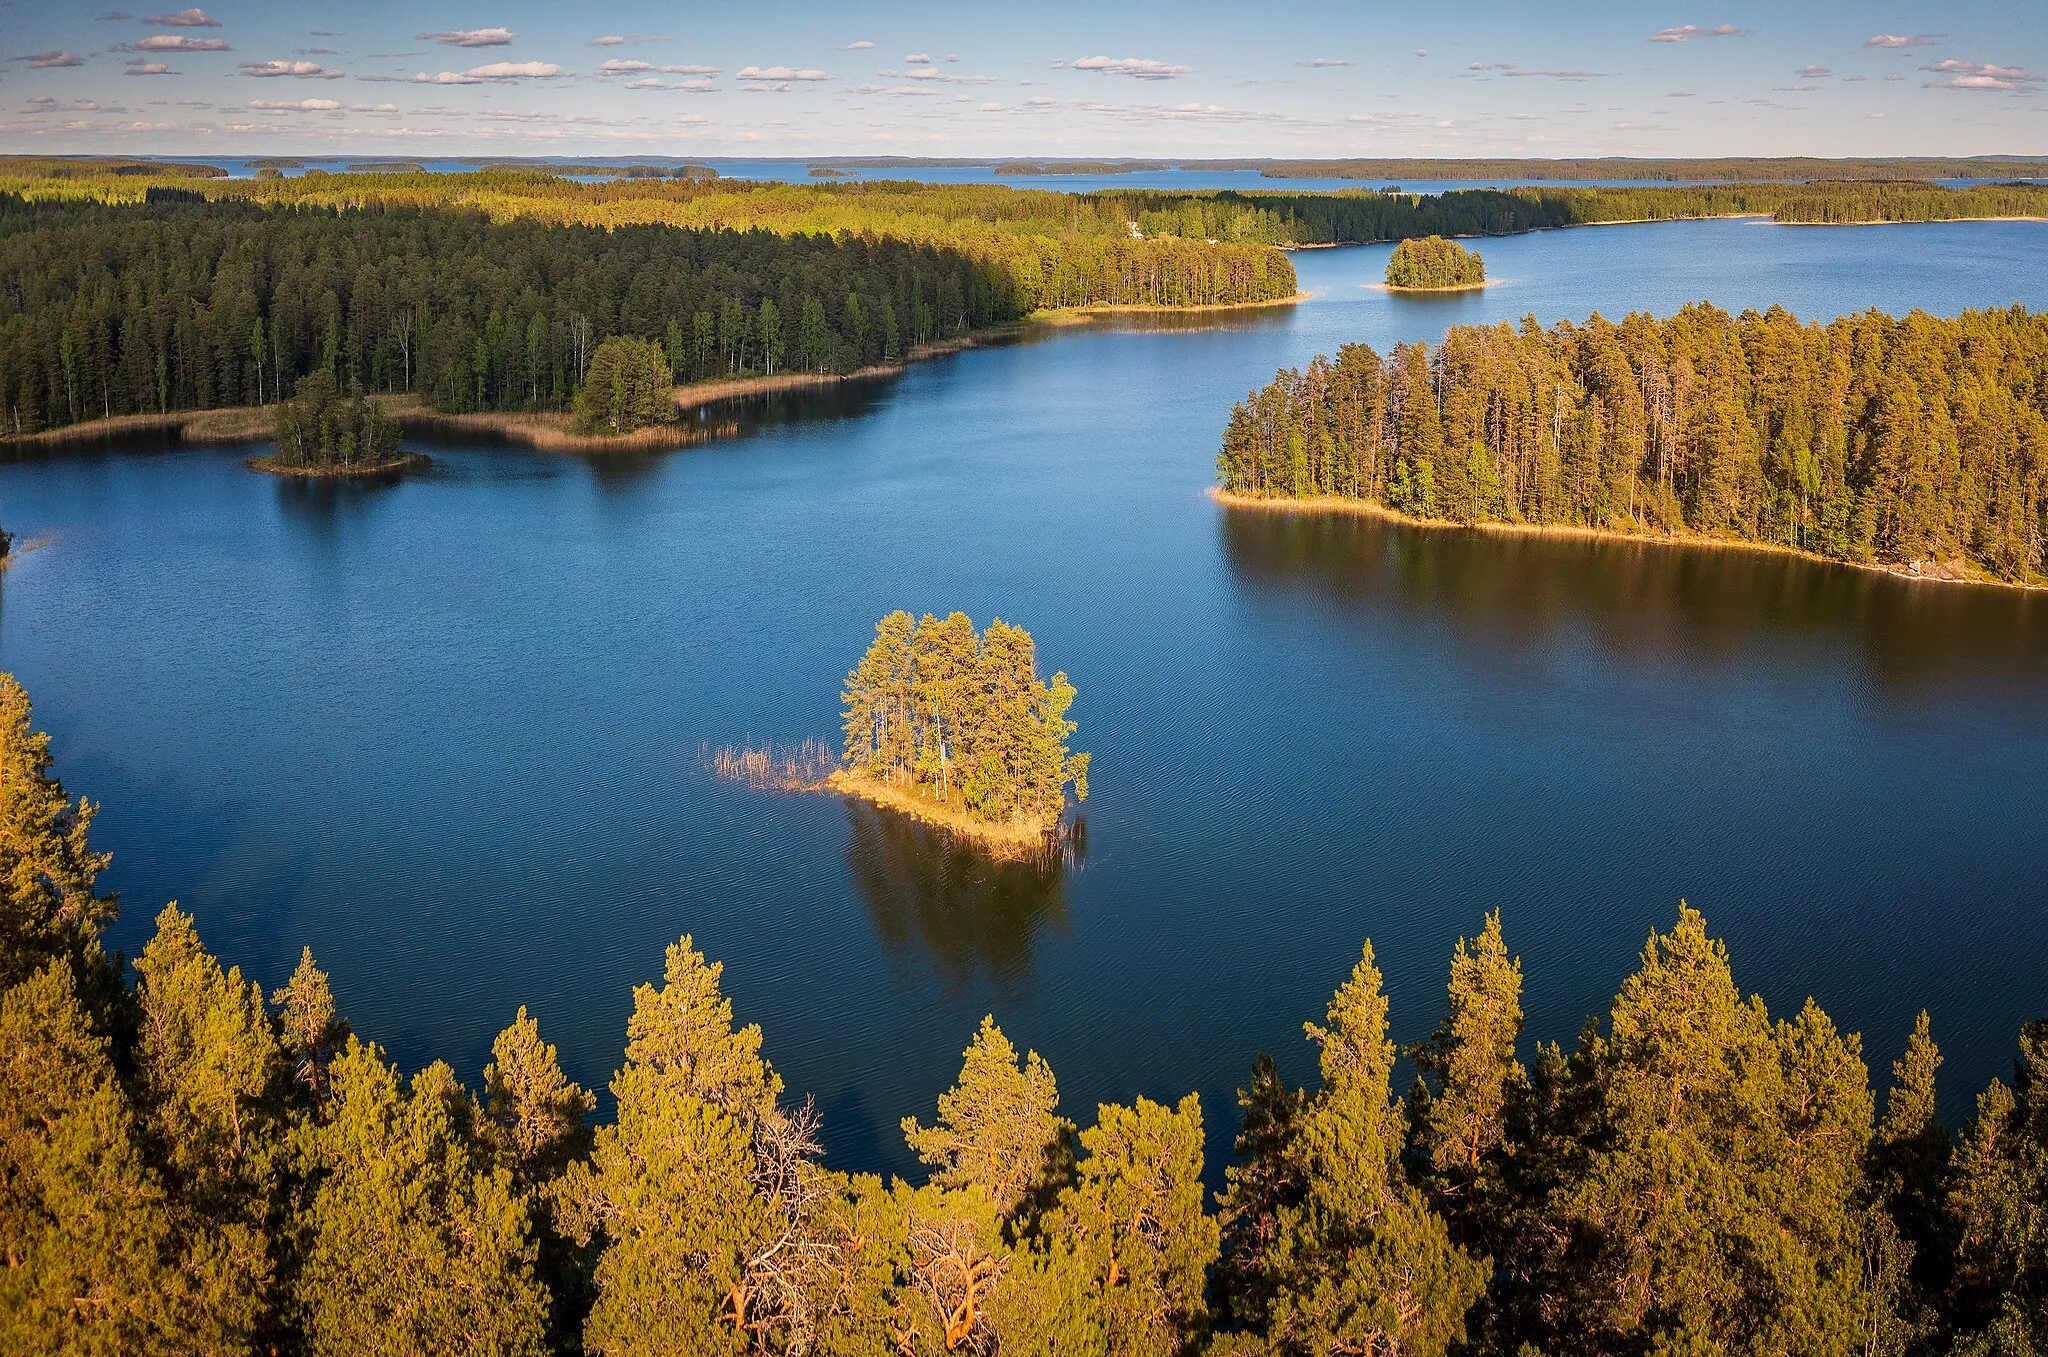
column 180, row 302
column 1914, row 443
column 189, row 1163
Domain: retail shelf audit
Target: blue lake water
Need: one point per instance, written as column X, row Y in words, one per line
column 447, row 731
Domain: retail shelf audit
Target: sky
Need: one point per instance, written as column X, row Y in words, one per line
column 1050, row 78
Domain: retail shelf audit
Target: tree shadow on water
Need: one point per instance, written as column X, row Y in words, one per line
column 974, row 916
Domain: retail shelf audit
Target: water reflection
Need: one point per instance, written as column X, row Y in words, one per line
column 1644, row 601
column 975, row 917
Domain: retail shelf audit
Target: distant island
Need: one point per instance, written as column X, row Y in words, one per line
column 1892, row 442
column 322, row 432
column 830, row 172
column 957, row 728
column 1433, row 264
column 1030, row 167
column 389, row 167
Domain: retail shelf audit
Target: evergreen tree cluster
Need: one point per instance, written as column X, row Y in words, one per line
column 1870, row 438
column 109, row 310
column 937, row 710
column 319, row 428
column 629, row 386
column 190, row 1165
column 1433, row 262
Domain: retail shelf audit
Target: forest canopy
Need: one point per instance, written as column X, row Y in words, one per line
column 1433, row 262
column 1871, row 438
column 191, row 1163
column 941, row 712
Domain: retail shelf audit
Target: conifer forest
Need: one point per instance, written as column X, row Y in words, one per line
column 191, row 1164
column 1870, row 438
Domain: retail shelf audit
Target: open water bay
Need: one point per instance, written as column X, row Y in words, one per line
column 447, row 730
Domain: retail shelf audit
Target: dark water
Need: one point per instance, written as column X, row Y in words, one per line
column 446, row 730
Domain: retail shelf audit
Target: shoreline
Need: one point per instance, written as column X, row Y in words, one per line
column 1397, row 290
column 405, row 461
column 1361, row 508
column 1003, row 840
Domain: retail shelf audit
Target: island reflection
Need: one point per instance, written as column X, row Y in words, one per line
column 1649, row 601
column 974, row 916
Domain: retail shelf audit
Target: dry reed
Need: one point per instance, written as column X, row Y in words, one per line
column 806, row 767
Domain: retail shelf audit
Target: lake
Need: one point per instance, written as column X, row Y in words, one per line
column 447, row 731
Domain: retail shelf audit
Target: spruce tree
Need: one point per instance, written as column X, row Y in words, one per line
column 998, row 1128
column 311, row 1031
column 1998, row 1207
column 1258, row 1184
column 1361, row 1262
column 1909, row 1167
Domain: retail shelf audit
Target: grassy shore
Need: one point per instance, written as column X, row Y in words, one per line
column 1003, row 839
column 403, row 462
column 1939, row 572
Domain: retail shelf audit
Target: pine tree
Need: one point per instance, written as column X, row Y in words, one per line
column 1134, row 1223
column 705, row 1196
column 92, row 1259
column 414, row 1243
column 47, row 865
column 311, row 1031
column 1472, row 1076
column 1909, row 1165
column 998, row 1128
column 1998, row 1207
column 538, row 1118
column 1361, row 1262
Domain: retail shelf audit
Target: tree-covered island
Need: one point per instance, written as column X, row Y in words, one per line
column 1433, row 264
column 958, row 727
column 321, row 431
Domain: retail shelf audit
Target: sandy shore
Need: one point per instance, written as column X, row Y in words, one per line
column 1940, row 573
column 1004, row 840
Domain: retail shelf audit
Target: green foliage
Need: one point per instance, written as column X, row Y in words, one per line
column 963, row 719
column 1433, row 262
column 998, row 1128
column 627, row 387
column 321, row 429
column 413, row 1242
column 47, row 866
column 1910, row 441
column 1360, row 1263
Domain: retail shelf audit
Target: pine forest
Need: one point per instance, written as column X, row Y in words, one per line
column 1871, row 438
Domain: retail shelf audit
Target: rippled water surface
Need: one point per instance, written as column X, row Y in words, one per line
column 447, row 730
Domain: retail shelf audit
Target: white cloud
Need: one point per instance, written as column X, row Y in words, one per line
column 918, row 59
column 1903, row 40
column 609, row 40
column 147, row 68
column 304, row 70
column 780, row 74
column 1138, row 68
column 863, row 45
column 1325, row 63
column 301, row 106
column 495, row 71
column 625, row 40
column 652, row 82
column 1813, row 72
column 1687, row 32
column 912, row 91
column 170, row 42
column 44, row 61
column 470, row 37
column 1422, row 51
column 1970, row 75
column 934, row 74
column 184, row 18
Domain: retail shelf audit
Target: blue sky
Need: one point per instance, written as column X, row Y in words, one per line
column 1052, row 77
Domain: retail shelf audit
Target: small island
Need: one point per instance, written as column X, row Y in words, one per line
column 1433, row 264
column 628, row 387
column 321, row 432
column 957, row 728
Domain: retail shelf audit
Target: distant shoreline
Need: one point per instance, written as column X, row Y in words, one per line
column 403, row 462
column 1362, row 508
